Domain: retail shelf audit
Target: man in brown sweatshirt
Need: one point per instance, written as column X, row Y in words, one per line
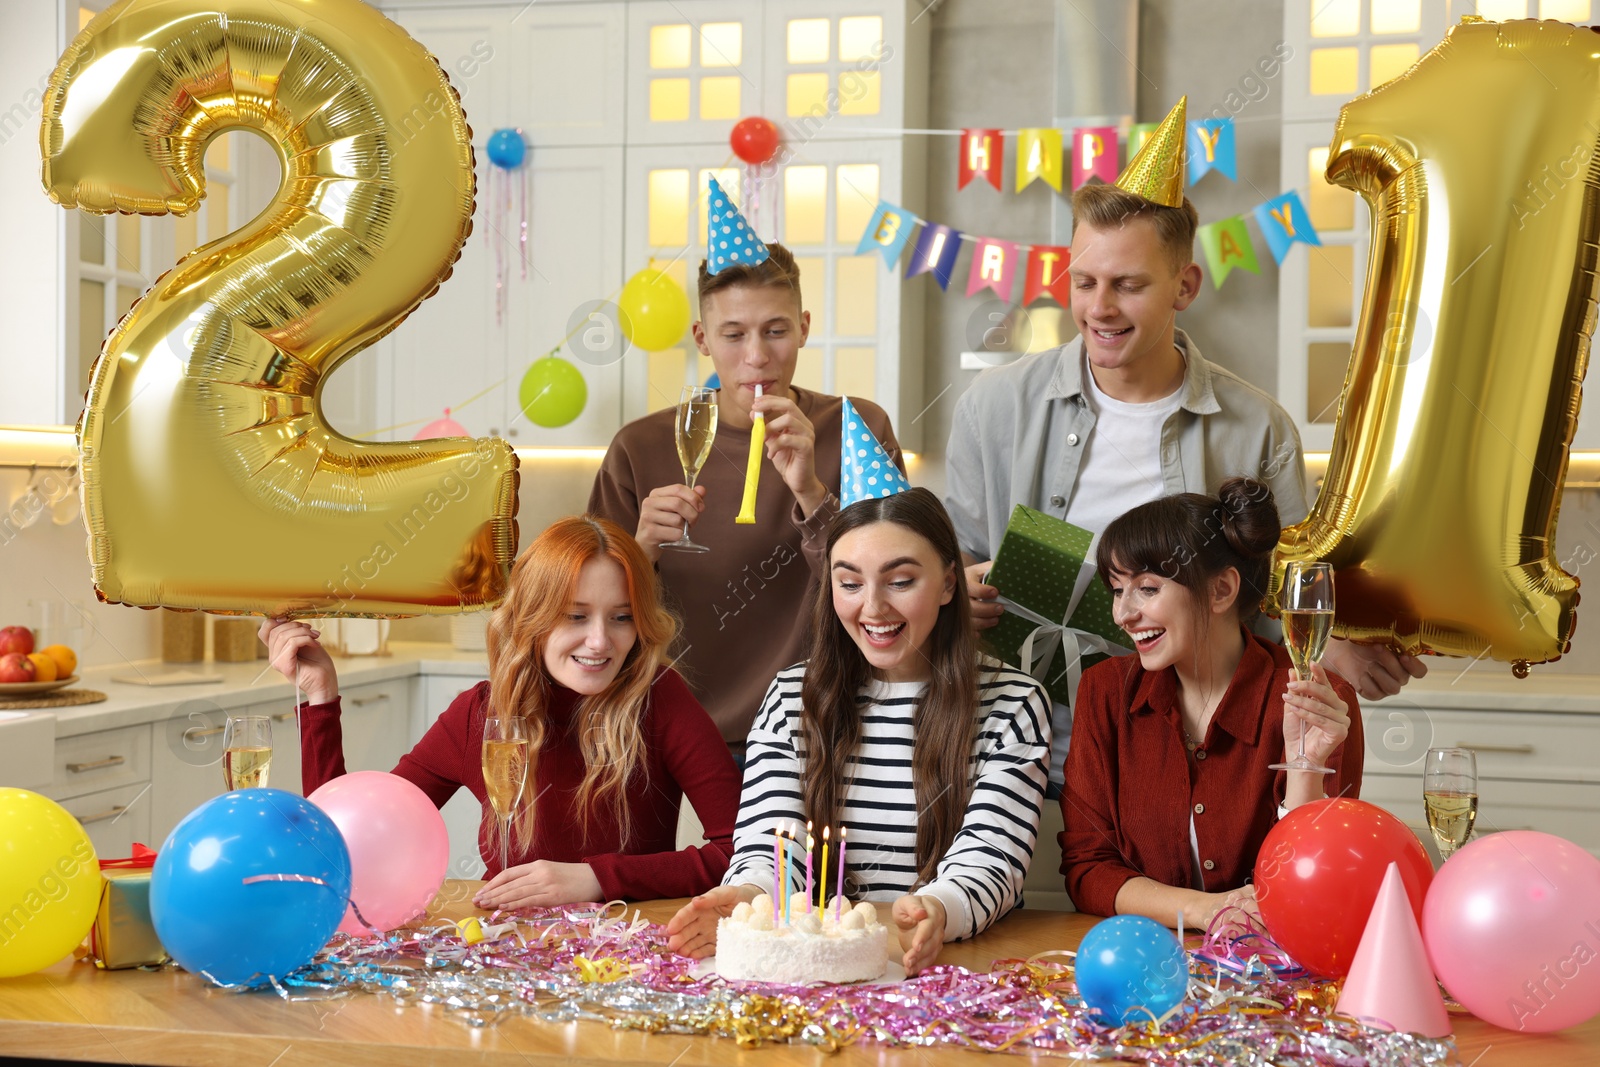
column 745, row 604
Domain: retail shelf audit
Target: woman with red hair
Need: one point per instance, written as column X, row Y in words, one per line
column 579, row 650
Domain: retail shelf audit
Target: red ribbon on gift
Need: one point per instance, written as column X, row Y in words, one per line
column 142, row 858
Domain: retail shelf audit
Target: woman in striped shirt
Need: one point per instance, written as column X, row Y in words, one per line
column 933, row 760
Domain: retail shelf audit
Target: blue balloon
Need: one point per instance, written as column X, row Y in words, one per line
column 713, row 382
column 507, row 149
column 1131, row 968
column 250, row 884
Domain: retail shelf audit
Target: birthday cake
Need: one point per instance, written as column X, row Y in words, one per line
column 840, row 943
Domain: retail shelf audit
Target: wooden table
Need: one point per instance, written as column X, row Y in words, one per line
column 75, row 1012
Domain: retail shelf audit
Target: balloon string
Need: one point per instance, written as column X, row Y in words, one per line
column 526, row 195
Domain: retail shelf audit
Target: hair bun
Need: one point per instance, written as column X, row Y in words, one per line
column 1251, row 517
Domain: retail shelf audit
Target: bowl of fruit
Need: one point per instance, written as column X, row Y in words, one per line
column 24, row 670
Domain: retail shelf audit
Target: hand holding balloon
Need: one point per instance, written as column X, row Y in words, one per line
column 294, row 652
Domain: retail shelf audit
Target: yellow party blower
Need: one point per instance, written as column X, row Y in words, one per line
column 752, row 472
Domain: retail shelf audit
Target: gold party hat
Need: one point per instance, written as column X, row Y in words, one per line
column 1156, row 172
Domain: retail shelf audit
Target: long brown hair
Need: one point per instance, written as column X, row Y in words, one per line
column 610, row 738
column 946, row 722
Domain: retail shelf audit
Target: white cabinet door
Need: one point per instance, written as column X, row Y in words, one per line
column 115, row 819
column 462, row 814
column 186, row 758
column 375, row 720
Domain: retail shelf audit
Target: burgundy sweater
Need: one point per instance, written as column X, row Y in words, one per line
column 684, row 755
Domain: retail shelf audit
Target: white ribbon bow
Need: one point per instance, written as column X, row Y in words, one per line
column 1040, row 646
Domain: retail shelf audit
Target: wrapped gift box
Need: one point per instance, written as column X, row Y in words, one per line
column 123, row 935
column 1037, row 567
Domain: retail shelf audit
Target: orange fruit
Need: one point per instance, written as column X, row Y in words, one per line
column 65, row 659
column 44, row 668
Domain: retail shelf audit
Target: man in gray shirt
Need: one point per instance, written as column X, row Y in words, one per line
column 1127, row 412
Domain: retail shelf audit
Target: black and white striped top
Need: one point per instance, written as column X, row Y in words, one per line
column 980, row 877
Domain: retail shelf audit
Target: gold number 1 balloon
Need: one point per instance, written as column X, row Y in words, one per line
column 1462, row 396
column 210, row 478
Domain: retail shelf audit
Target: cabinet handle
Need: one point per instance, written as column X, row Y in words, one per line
column 195, row 732
column 283, row 716
column 362, row 702
column 1510, row 750
column 109, row 761
column 112, row 814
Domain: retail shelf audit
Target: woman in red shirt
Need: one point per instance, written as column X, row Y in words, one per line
column 1168, row 789
column 578, row 649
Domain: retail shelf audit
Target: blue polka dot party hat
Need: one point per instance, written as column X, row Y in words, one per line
column 729, row 239
column 865, row 469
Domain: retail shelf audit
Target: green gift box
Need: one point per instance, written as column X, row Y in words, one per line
column 1036, row 568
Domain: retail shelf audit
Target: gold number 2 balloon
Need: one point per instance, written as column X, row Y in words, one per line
column 1462, row 395
column 210, row 478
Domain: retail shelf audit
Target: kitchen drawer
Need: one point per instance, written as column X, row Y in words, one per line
column 1566, row 809
column 115, row 819
column 91, row 762
column 1509, row 744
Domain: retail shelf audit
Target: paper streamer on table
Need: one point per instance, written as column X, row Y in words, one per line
column 752, row 471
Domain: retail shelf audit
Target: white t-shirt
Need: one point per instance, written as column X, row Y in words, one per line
column 1122, row 459
column 1121, row 469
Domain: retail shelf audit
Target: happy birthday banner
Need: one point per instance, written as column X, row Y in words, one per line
column 1045, row 153
column 1227, row 244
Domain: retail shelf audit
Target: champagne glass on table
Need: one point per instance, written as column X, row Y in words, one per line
column 1307, row 622
column 505, row 772
column 1450, row 794
column 246, row 751
column 696, row 428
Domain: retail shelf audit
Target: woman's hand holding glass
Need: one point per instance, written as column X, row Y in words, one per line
column 294, row 652
column 1316, row 721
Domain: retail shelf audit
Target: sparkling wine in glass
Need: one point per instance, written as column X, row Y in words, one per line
column 1307, row 622
column 695, row 428
column 505, row 772
column 1450, row 794
column 247, row 751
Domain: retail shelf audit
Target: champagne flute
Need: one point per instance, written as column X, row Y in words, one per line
column 505, row 772
column 695, row 428
column 1307, row 622
column 247, row 751
column 1450, row 794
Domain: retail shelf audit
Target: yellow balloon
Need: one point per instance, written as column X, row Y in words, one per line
column 210, row 478
column 49, row 882
column 1440, row 503
column 655, row 310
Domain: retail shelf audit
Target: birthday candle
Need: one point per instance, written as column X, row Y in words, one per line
column 822, row 876
column 786, row 880
column 752, row 470
column 838, row 893
column 811, row 843
column 777, row 850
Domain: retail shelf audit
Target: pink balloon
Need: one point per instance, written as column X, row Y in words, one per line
column 1512, row 926
column 399, row 847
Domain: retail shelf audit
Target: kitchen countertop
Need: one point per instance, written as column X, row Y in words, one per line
column 1451, row 685
column 243, row 684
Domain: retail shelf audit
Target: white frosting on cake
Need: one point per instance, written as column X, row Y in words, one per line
column 810, row 947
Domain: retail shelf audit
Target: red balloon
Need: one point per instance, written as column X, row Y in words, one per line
column 1318, row 874
column 754, row 140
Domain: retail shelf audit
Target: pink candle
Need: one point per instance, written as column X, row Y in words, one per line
column 777, row 852
column 786, row 879
column 838, row 893
column 811, row 843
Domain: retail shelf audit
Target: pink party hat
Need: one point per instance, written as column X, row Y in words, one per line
column 1391, row 983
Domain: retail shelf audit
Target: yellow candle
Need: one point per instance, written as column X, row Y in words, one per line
column 822, row 875
column 752, row 470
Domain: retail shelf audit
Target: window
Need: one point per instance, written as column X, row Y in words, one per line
column 832, row 66
column 679, row 53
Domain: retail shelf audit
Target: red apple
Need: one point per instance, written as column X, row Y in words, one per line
column 15, row 667
column 16, row 639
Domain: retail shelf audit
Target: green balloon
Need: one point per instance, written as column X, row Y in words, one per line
column 553, row 392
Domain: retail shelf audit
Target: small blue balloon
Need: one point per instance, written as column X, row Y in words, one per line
column 507, row 149
column 250, row 884
column 713, row 382
column 1131, row 968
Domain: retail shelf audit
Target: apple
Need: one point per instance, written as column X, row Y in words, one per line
column 16, row 639
column 15, row 667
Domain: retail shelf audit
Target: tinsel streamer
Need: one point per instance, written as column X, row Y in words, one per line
column 592, row 962
column 499, row 193
column 526, row 197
